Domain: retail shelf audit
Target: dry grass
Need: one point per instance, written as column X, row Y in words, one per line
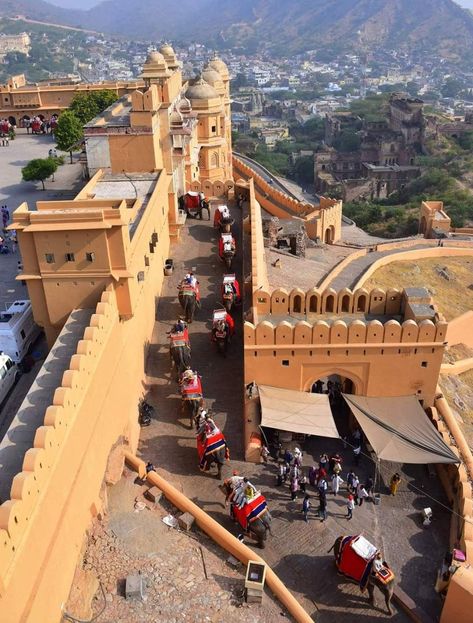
column 453, row 298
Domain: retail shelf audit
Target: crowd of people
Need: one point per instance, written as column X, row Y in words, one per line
column 324, row 479
column 40, row 125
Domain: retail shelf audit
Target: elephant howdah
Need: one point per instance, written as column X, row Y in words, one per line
column 357, row 559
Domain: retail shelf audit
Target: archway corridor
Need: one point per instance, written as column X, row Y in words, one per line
column 296, row 551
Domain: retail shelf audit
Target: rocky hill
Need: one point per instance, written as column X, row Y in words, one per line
column 283, row 27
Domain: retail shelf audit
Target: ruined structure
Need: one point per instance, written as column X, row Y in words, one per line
column 385, row 160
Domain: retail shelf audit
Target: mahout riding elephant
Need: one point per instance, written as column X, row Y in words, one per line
column 253, row 517
column 211, row 444
column 179, row 347
column 191, row 394
column 373, row 579
column 189, row 299
column 230, row 294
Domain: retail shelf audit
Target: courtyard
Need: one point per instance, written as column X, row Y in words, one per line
column 298, row 552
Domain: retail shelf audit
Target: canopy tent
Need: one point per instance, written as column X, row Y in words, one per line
column 399, row 430
column 297, row 412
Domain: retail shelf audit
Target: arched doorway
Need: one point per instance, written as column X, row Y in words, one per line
column 423, row 225
column 335, row 384
column 12, row 120
column 329, row 235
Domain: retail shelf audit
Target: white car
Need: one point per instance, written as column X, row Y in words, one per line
column 8, row 375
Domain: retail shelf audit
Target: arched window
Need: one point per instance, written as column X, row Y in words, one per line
column 214, row 159
column 297, row 305
column 346, row 303
column 330, row 304
column 313, row 304
column 361, row 305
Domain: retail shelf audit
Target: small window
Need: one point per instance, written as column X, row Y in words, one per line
column 214, row 128
column 90, row 257
column 146, row 260
column 49, row 258
column 261, row 300
column 70, row 257
column 285, row 362
column 23, row 334
column 424, row 364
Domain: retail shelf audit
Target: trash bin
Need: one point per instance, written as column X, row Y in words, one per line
column 168, row 267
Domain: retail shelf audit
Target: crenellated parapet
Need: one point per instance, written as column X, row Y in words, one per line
column 52, row 438
column 340, row 332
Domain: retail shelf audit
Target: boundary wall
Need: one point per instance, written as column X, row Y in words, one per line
column 417, row 254
column 93, row 415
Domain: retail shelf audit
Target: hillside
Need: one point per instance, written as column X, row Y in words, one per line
column 436, row 26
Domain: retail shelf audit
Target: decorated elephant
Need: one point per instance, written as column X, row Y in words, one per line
column 368, row 569
column 211, row 444
column 248, row 508
column 189, row 297
column 179, row 347
column 191, row 394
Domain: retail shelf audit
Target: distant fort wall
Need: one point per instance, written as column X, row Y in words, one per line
column 323, row 221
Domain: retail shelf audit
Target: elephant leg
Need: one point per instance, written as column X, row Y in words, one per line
column 388, row 595
column 371, row 596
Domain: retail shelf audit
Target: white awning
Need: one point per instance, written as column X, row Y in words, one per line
column 297, row 412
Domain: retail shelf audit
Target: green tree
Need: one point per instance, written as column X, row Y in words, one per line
column 68, row 132
column 39, row 169
column 347, row 141
column 452, row 87
column 304, row 170
column 86, row 106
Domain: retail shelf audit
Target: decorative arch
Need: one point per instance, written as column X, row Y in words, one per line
column 358, row 384
column 214, row 160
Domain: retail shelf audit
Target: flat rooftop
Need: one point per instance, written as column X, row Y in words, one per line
column 116, row 115
column 129, row 186
column 20, row 436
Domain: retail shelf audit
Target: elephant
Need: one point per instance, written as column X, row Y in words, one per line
column 221, row 336
column 217, row 458
column 181, row 356
column 373, row 580
column 228, row 258
column 189, row 303
column 226, row 223
column 193, row 406
column 229, row 300
column 258, row 528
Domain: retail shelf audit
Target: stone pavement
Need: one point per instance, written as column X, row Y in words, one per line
column 297, row 552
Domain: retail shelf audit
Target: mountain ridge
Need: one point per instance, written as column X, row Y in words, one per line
column 436, row 26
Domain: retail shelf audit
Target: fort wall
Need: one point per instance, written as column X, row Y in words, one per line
column 322, row 222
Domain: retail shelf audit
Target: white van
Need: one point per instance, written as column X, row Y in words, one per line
column 18, row 330
column 8, row 375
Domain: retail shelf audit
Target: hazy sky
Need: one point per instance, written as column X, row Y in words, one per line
column 86, row 4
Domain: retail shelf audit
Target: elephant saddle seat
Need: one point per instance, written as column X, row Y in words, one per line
column 180, row 338
column 355, row 558
column 210, row 445
column 252, row 510
column 192, row 390
column 187, row 289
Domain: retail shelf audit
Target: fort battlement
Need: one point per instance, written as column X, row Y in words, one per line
column 62, row 430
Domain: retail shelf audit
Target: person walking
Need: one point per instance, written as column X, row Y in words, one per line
column 323, row 462
column 394, row 484
column 322, row 485
column 294, row 487
column 370, row 487
column 361, row 494
column 350, row 506
column 350, row 476
column 313, row 475
column 323, row 506
column 302, row 482
column 336, row 482
column 354, row 486
column 281, row 474
column 306, row 507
